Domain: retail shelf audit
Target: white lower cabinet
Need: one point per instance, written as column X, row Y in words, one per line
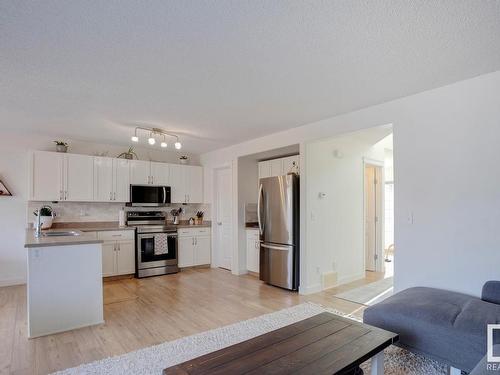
column 253, row 250
column 194, row 247
column 118, row 252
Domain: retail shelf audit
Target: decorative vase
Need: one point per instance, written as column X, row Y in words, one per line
column 128, row 156
column 184, row 160
column 61, row 148
column 198, row 220
column 46, row 221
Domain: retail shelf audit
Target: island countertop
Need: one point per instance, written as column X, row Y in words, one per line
column 81, row 239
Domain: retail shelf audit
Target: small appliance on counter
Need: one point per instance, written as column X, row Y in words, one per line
column 156, row 243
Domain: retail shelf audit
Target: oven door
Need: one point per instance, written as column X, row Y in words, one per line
column 156, row 250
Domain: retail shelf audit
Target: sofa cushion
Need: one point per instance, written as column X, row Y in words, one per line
column 491, row 292
column 448, row 326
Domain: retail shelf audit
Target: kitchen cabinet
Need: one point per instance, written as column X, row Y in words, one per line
column 46, row 176
column 111, row 180
column 160, row 173
column 62, row 177
column 253, row 250
column 186, row 183
column 140, row 172
column 194, row 246
column 118, row 252
column 278, row 167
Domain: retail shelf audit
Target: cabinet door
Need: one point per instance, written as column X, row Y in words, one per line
column 276, row 167
column 186, row 251
column 121, row 180
column 194, row 184
column 177, row 183
column 264, row 169
column 202, row 250
column 108, row 258
column 140, row 172
column 125, row 258
column 251, row 255
column 160, row 173
column 46, row 176
column 103, row 179
column 79, row 181
column 291, row 164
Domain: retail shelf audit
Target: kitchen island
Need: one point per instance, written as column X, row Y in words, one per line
column 64, row 288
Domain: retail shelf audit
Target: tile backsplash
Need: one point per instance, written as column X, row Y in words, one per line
column 94, row 211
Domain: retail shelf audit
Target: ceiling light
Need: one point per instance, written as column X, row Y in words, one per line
column 163, row 144
column 135, row 138
column 178, row 145
column 151, row 140
column 158, row 133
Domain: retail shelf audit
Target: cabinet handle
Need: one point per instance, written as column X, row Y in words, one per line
column 110, row 196
column 114, row 196
column 60, row 195
column 152, row 179
column 66, row 195
column 192, row 241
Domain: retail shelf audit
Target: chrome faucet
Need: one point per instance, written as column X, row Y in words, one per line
column 38, row 224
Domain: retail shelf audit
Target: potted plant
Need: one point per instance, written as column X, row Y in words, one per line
column 129, row 154
column 61, row 146
column 184, row 159
column 199, row 218
column 46, row 216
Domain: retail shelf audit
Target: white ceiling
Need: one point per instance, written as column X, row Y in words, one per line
column 225, row 71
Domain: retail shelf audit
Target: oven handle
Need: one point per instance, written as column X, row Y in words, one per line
column 151, row 234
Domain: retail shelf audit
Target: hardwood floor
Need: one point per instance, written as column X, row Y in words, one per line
column 144, row 312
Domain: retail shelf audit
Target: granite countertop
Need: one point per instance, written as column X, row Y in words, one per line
column 82, row 239
column 90, row 226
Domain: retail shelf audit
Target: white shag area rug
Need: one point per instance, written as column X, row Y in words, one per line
column 154, row 359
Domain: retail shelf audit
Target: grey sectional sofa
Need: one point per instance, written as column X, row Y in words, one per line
column 447, row 326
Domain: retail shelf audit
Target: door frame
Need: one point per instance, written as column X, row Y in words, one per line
column 215, row 253
column 379, row 249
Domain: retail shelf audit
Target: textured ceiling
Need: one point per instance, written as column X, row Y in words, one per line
column 225, row 71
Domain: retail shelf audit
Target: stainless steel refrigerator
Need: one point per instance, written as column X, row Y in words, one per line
column 278, row 213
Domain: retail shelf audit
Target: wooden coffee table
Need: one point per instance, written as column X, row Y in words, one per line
column 323, row 344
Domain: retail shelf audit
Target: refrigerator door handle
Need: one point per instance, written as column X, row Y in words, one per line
column 261, row 230
column 276, row 247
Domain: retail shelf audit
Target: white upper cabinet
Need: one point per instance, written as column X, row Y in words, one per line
column 193, row 180
column 111, row 180
column 278, row 167
column 140, row 172
column 160, row 173
column 46, row 176
column 121, row 180
column 79, row 178
column 177, row 184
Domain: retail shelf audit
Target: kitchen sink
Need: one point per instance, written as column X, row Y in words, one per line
column 60, row 234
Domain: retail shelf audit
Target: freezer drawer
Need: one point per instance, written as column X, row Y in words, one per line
column 277, row 265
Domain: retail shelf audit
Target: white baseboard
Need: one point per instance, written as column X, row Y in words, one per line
column 13, row 281
column 311, row 289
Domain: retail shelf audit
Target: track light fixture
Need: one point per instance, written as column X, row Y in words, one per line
column 153, row 132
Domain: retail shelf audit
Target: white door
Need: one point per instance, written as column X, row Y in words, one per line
column 202, row 250
column 159, row 173
column 177, row 184
column 264, row 169
column 125, row 259
column 121, row 180
column 373, row 223
column 140, row 172
column 276, row 167
column 223, row 251
column 194, row 184
column 46, row 176
column 186, row 251
column 108, row 258
column 103, row 179
column 79, row 181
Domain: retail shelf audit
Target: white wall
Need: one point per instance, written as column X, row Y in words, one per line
column 336, row 222
column 446, row 158
column 14, row 150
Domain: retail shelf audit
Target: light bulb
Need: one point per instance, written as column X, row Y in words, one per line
column 135, row 138
column 178, row 145
column 163, row 144
column 151, row 140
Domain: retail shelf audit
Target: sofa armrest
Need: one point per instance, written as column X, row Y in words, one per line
column 491, row 292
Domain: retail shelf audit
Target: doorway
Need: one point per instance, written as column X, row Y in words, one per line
column 224, row 207
column 373, row 179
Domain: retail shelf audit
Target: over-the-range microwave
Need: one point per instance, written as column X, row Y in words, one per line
column 149, row 195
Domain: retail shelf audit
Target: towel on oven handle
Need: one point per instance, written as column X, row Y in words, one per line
column 161, row 243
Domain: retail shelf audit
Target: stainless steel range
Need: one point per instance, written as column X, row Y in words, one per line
column 156, row 243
